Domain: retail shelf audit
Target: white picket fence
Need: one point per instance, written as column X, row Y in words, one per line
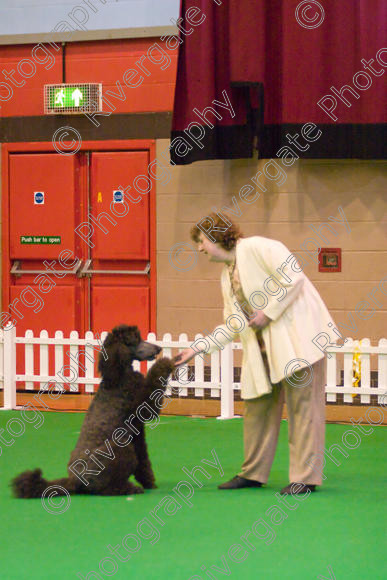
column 58, row 352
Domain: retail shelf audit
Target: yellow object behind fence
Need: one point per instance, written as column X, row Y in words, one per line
column 356, row 366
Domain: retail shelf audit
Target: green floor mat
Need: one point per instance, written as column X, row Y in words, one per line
column 195, row 530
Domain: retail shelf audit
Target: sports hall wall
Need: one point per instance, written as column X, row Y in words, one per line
column 306, row 195
column 311, row 191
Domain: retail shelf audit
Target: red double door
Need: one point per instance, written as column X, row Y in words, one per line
column 80, row 254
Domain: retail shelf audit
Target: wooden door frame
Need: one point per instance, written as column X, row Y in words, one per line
column 47, row 147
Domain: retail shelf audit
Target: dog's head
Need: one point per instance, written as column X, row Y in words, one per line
column 123, row 345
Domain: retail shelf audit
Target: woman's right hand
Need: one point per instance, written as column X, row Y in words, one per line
column 184, row 356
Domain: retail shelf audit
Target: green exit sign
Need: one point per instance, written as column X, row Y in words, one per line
column 72, row 98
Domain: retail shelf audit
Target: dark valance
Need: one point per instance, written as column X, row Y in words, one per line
column 254, row 74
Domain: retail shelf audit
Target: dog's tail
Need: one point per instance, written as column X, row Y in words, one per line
column 31, row 484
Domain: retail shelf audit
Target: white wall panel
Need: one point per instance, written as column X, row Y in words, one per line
column 41, row 16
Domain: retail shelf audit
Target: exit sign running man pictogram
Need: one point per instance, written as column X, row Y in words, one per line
column 74, row 98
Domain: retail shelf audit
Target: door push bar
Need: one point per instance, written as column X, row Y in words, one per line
column 85, row 271
column 17, row 271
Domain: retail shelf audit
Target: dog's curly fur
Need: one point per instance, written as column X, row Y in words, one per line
column 121, row 392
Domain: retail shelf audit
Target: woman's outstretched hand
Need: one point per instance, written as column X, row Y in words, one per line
column 184, row 356
column 259, row 321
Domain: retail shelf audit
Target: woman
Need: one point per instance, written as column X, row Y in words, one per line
column 265, row 289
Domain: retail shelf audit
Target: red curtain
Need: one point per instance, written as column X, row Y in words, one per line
column 272, row 66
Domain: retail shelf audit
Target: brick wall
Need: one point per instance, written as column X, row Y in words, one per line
column 191, row 301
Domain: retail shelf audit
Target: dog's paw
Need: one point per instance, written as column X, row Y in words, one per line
column 164, row 366
column 176, row 359
column 150, row 485
column 137, row 489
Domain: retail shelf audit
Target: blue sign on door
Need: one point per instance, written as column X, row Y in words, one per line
column 38, row 197
column 118, row 196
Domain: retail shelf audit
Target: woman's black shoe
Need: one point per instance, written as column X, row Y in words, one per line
column 238, row 482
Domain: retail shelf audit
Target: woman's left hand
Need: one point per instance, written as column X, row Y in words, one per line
column 260, row 320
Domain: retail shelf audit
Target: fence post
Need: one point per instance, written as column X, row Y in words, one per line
column 382, row 371
column 331, row 367
column 226, row 382
column 9, row 369
column 348, row 369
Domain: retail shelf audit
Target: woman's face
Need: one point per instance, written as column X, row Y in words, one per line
column 214, row 251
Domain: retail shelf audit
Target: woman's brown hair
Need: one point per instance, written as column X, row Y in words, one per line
column 226, row 238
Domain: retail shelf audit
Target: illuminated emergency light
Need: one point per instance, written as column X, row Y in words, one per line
column 72, row 99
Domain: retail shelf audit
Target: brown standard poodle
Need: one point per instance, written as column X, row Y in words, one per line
column 111, row 446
